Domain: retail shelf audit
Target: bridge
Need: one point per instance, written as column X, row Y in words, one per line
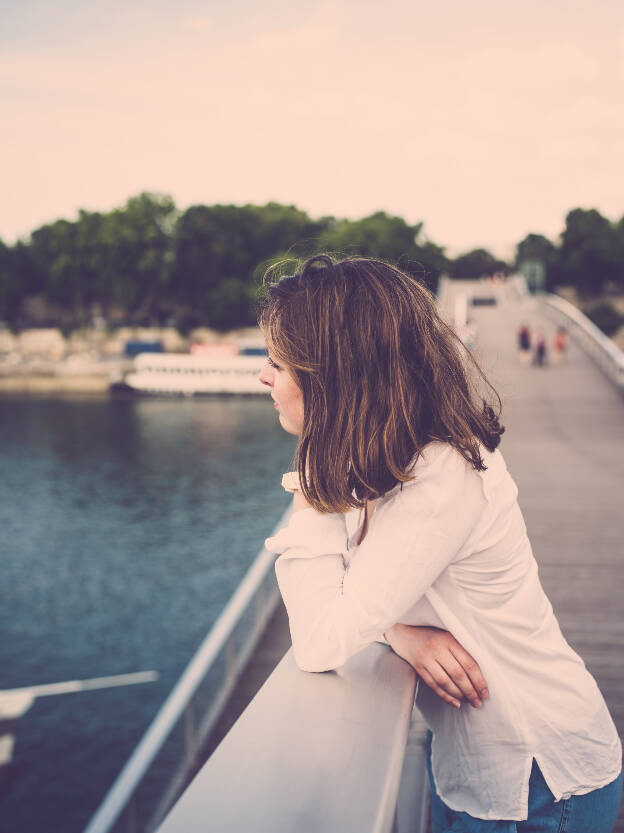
column 332, row 751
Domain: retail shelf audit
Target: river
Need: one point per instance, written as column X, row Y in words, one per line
column 126, row 525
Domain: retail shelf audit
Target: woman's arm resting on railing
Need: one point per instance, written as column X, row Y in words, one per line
column 440, row 662
column 335, row 609
column 436, row 656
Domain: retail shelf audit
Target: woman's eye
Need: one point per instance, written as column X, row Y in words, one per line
column 272, row 363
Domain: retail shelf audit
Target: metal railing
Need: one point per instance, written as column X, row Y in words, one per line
column 331, row 752
column 606, row 354
column 193, row 707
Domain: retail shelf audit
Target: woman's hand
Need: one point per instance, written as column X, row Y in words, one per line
column 441, row 662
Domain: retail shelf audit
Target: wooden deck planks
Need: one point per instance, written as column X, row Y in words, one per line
column 564, row 447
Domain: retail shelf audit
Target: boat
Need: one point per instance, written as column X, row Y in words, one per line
column 197, row 373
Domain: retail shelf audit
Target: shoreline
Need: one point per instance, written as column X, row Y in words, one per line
column 38, row 384
column 41, row 362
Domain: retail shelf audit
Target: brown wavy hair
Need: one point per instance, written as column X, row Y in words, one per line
column 381, row 374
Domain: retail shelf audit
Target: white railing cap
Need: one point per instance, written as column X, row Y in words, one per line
column 312, row 752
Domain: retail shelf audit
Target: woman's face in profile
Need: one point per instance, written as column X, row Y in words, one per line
column 286, row 394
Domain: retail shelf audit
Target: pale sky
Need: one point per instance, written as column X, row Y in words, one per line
column 485, row 120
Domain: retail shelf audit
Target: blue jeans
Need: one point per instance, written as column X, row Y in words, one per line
column 594, row 812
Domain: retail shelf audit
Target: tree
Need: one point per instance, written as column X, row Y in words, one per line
column 53, row 249
column 537, row 249
column 591, row 252
column 10, row 295
column 138, row 254
column 389, row 238
column 226, row 243
column 121, row 258
column 231, row 304
column 618, row 276
column 477, row 264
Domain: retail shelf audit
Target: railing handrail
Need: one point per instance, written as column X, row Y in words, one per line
column 174, row 706
column 579, row 317
column 311, row 752
column 606, row 349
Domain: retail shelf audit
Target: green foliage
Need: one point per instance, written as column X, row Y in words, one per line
column 214, row 245
column 378, row 235
column 389, row 238
column 605, row 316
column 10, row 288
column 138, row 253
column 536, row 247
column 18, row 279
column 121, row 258
column 188, row 320
column 230, row 304
column 591, row 256
column 146, row 262
column 477, row 264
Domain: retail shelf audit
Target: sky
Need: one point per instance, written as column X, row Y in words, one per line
column 483, row 120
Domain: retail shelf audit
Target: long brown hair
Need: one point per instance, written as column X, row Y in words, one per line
column 381, row 374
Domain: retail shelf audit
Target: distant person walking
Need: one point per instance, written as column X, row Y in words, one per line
column 540, row 349
column 560, row 344
column 524, row 344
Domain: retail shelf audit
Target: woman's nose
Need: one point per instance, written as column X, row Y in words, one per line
column 265, row 376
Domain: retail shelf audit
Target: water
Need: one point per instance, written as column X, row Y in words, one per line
column 126, row 525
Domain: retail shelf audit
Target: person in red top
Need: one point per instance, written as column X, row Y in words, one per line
column 560, row 344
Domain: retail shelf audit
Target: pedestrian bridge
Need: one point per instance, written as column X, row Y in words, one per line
column 343, row 751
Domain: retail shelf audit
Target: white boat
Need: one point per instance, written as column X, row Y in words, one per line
column 188, row 375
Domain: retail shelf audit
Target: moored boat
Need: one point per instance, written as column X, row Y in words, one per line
column 177, row 374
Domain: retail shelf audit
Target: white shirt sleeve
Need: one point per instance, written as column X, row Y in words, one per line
column 333, row 611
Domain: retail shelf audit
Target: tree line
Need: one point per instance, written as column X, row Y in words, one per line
column 149, row 263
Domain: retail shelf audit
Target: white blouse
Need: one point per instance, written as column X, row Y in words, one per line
column 450, row 549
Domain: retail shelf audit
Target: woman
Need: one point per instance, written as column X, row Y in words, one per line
column 404, row 516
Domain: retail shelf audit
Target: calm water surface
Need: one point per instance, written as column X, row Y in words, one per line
column 126, row 525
